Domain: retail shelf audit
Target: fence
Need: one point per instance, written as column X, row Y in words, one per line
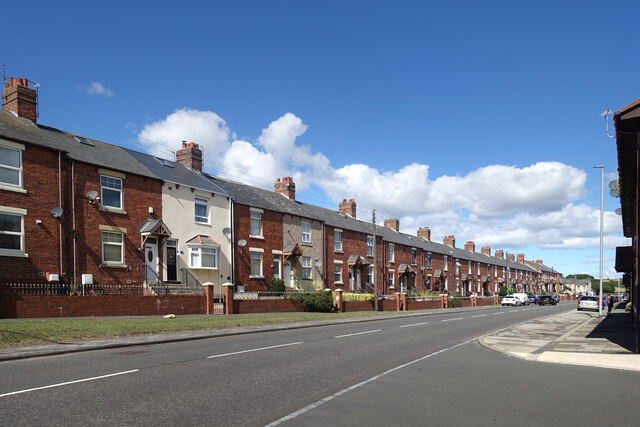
column 63, row 289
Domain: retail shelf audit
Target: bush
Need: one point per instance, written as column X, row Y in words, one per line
column 503, row 291
column 277, row 285
column 321, row 302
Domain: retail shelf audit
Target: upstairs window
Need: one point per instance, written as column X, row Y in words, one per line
column 111, row 191
column 10, row 166
column 392, row 252
column 256, row 224
column 428, row 260
column 202, row 210
column 413, row 257
column 369, row 246
column 337, row 240
column 446, row 263
column 306, row 232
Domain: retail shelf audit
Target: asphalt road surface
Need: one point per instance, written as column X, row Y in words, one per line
column 417, row 370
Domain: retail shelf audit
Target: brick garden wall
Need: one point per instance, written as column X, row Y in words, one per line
column 423, row 305
column 267, row 306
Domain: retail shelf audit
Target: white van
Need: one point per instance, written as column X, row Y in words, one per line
column 524, row 298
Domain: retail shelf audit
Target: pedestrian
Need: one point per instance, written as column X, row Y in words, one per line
column 610, row 304
column 605, row 300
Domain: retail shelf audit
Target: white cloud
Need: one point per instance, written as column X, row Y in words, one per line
column 96, row 88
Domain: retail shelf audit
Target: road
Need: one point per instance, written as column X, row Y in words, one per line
column 413, row 371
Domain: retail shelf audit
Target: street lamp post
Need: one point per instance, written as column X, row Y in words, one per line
column 601, row 167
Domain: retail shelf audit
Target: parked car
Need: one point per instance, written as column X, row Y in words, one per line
column 524, row 298
column 546, row 299
column 533, row 299
column 556, row 297
column 511, row 300
column 588, row 303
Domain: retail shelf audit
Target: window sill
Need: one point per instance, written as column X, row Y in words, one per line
column 203, row 268
column 13, row 189
column 202, row 223
column 256, row 277
column 338, row 283
column 14, row 254
column 306, row 244
column 338, row 251
column 391, row 287
column 251, row 236
column 112, row 210
column 121, row 266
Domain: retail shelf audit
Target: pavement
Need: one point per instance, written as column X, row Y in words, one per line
column 574, row 337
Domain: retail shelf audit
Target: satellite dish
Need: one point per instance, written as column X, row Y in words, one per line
column 91, row 194
column 242, row 242
column 318, row 264
column 57, row 212
column 614, row 193
column 618, row 211
column 226, row 231
column 613, row 185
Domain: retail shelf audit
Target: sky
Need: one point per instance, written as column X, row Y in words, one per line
column 477, row 119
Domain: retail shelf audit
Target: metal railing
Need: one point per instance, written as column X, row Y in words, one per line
column 191, row 282
column 154, row 282
column 63, row 289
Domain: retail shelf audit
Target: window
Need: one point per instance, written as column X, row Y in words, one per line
column 392, row 251
column 256, row 224
column 276, row 267
column 413, row 257
column 392, row 279
column 370, row 274
column 112, row 248
column 11, row 164
column 469, row 267
column 256, row 264
column 337, row 272
column 201, row 257
column 111, row 188
column 457, row 267
column 11, row 233
column 337, row 240
column 306, row 232
column 202, row 210
column 369, row 246
column 306, row 267
column 428, row 260
column 446, row 266
column 478, row 271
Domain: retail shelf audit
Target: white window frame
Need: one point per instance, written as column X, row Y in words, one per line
column 255, row 215
column 305, row 268
column 392, row 279
column 414, row 256
column 370, row 274
column 255, row 253
column 18, row 212
column 197, row 252
column 446, row 264
column 479, row 265
column 469, row 270
column 121, row 244
column 429, row 261
column 7, row 145
column 392, row 252
column 120, row 191
column 306, row 234
column 370, row 246
column 457, row 267
column 337, row 240
column 201, row 201
column 337, row 274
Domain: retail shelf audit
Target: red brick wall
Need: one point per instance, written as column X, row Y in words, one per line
column 353, row 243
column 285, row 305
column 40, row 179
column 352, row 306
column 423, row 305
column 108, row 305
column 272, row 231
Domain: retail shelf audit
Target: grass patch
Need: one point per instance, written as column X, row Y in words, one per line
column 19, row 333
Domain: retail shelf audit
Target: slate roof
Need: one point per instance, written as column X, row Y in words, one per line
column 101, row 153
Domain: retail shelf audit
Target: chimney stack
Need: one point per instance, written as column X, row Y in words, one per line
column 510, row 257
column 500, row 254
column 394, row 224
column 470, row 246
column 450, row 241
column 286, row 187
column 348, row 207
column 539, row 261
column 425, row 233
column 486, row 250
column 520, row 258
column 20, row 98
column 190, row 155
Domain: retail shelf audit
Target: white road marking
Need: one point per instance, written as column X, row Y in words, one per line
column 355, row 386
column 68, row 382
column 495, row 314
column 414, row 324
column 357, row 333
column 451, row 320
column 512, row 311
column 255, row 349
column 479, row 315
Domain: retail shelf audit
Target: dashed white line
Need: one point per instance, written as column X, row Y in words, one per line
column 479, row 315
column 255, row 349
column 68, row 382
column 495, row 314
column 414, row 324
column 451, row 320
column 357, row 333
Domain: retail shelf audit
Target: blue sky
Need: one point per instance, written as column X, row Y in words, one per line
column 478, row 119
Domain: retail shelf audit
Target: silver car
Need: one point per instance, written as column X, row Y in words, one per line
column 588, row 303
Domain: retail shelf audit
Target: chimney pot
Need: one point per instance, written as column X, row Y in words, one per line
column 20, row 98
column 190, row 155
column 286, row 187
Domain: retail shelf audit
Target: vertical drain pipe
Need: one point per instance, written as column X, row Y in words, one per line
column 73, row 212
column 60, row 204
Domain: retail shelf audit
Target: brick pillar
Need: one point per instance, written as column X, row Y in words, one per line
column 444, row 301
column 496, row 300
column 474, row 301
column 403, row 302
column 339, row 301
column 208, row 295
column 227, row 294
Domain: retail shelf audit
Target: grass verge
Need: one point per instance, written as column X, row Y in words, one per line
column 20, row 333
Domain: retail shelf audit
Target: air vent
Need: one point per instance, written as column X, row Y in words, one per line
column 83, row 140
column 164, row 162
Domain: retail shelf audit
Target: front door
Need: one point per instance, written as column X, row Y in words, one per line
column 358, row 280
column 172, row 261
column 151, row 254
column 287, row 273
column 351, row 280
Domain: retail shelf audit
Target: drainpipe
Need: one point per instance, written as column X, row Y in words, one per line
column 60, row 204
column 324, row 258
column 73, row 212
column 232, row 255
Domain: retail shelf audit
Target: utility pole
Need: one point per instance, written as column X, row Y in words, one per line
column 375, row 263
